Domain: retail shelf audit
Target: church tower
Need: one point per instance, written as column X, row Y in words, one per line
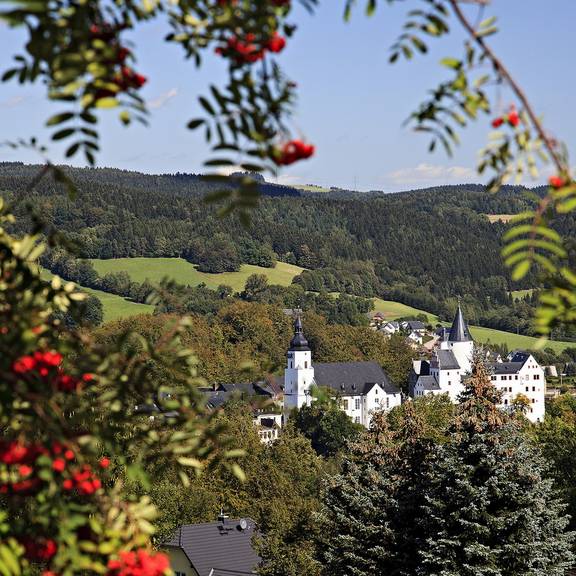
column 299, row 373
column 460, row 342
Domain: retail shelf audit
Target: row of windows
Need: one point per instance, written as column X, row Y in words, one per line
column 345, row 403
column 512, row 377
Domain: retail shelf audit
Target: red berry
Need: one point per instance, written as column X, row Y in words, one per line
column 276, row 43
column 25, row 470
column 556, row 181
column 67, row 484
column 497, row 122
column 59, row 465
column 69, row 455
column 104, row 462
column 513, row 118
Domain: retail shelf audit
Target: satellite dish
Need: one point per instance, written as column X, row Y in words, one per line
column 243, row 524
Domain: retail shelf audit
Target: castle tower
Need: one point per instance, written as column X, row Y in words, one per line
column 460, row 342
column 299, row 373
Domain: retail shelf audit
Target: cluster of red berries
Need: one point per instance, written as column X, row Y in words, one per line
column 512, row 118
column 247, row 51
column 47, row 364
column 19, row 457
column 126, row 78
column 39, row 550
column 140, row 563
column 292, row 151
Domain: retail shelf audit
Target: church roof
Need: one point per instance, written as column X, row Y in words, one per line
column 352, row 378
column 506, row 367
column 459, row 331
column 218, row 547
column 447, row 360
column 298, row 342
column 428, row 382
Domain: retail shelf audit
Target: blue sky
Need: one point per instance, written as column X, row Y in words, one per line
column 352, row 103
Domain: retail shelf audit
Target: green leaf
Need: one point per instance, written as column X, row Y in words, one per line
column 60, row 118
column 206, row 105
column 193, row 124
column 107, row 103
column 521, row 270
column 453, row 63
column 61, row 134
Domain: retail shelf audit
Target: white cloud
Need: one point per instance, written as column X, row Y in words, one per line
column 12, row 102
column 432, row 174
column 285, row 179
column 162, row 99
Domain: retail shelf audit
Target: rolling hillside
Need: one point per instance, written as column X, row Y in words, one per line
column 154, row 269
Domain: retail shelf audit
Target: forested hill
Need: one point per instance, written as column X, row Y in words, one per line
column 420, row 247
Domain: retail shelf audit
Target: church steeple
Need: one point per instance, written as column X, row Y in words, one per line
column 459, row 331
column 298, row 342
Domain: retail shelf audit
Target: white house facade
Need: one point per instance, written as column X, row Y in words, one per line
column 451, row 363
column 362, row 387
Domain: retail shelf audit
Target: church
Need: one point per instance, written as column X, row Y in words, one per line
column 451, row 362
column 362, row 387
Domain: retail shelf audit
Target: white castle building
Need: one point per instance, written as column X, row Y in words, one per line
column 363, row 387
column 451, row 362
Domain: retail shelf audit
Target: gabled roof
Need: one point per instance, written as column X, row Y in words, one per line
column 352, row 378
column 506, row 367
column 415, row 325
column 447, row 360
column 218, row 547
column 459, row 331
column 519, row 356
column 428, row 383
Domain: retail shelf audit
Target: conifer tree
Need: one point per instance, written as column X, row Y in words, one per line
column 490, row 509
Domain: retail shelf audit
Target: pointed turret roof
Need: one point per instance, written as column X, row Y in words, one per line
column 298, row 342
column 459, row 331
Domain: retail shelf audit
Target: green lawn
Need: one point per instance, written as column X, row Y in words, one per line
column 393, row 310
column 154, row 269
column 114, row 306
column 521, row 293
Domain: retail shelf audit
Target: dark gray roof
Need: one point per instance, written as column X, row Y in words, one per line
column 352, row 378
column 519, row 356
column 298, row 342
column 428, row 383
column 248, row 389
column 447, row 360
column 415, row 325
column 506, row 367
column 217, row 547
column 459, row 331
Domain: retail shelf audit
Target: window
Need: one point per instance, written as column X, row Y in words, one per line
column 345, row 404
column 509, row 388
column 533, row 401
column 357, row 403
column 179, row 573
column 527, row 388
column 492, row 377
column 536, row 376
column 505, row 400
column 387, row 402
column 533, row 388
column 357, row 420
column 306, row 364
column 516, row 377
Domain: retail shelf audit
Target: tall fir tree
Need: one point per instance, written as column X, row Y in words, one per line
column 490, row 509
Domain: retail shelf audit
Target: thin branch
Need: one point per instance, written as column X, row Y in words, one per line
column 504, row 73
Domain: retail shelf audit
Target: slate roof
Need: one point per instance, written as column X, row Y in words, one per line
column 352, row 378
column 447, row 360
column 428, row 383
column 459, row 331
column 415, row 325
column 519, row 356
column 218, row 547
column 506, row 367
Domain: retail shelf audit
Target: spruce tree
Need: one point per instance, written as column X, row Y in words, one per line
column 490, row 510
column 370, row 510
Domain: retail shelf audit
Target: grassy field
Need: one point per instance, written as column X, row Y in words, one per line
column 393, row 310
column 154, row 269
column 115, row 307
column 311, row 188
column 500, row 217
column 521, row 293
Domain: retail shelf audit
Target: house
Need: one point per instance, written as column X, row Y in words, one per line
column 415, row 338
column 362, row 387
column 451, row 363
column 390, row 328
column 264, row 398
column 222, row 548
column 413, row 326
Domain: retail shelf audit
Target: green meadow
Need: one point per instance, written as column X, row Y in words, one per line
column 181, row 271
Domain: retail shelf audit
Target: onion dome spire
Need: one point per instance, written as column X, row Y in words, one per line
column 298, row 342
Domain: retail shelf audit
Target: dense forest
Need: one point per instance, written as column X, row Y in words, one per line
column 422, row 247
